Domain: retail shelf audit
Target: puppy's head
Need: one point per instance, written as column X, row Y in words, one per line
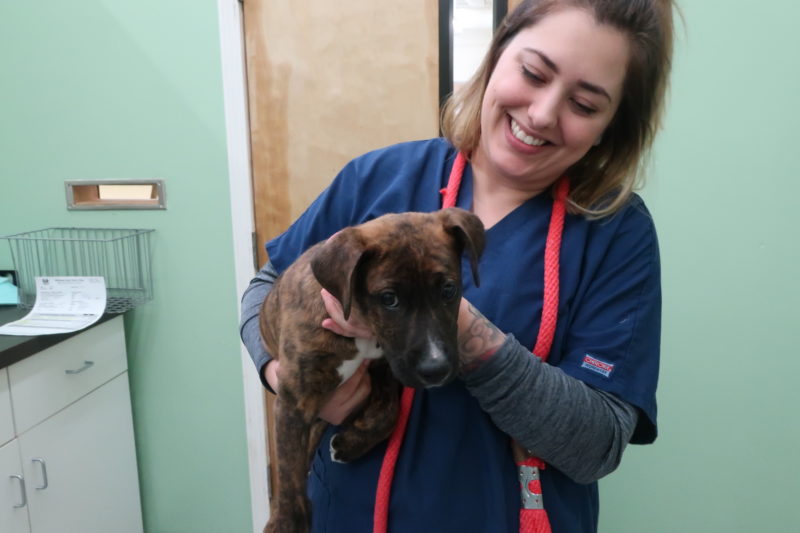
column 402, row 272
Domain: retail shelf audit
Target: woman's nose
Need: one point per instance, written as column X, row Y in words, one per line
column 544, row 110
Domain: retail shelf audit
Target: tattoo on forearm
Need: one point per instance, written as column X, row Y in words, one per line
column 479, row 340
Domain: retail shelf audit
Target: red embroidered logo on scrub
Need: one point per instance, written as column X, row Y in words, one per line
column 596, row 365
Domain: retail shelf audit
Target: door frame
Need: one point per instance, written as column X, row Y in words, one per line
column 234, row 85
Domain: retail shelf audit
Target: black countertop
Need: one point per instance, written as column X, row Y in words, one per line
column 15, row 348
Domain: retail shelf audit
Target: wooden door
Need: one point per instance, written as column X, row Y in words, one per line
column 328, row 81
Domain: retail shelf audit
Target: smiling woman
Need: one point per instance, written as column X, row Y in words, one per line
column 553, row 92
column 545, row 139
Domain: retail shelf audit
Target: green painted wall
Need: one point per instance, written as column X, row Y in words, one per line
column 724, row 195
column 133, row 89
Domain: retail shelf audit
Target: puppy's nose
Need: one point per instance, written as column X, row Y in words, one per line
column 434, row 370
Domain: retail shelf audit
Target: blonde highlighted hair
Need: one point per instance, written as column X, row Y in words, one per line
column 603, row 180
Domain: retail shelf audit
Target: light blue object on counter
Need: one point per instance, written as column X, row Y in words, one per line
column 9, row 294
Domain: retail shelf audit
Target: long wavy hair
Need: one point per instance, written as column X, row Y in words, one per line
column 603, row 180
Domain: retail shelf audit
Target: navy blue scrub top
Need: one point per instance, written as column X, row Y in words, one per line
column 455, row 472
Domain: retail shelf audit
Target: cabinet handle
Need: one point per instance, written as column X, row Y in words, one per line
column 44, row 472
column 21, row 490
column 86, row 366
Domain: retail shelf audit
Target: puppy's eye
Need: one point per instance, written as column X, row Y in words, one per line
column 449, row 291
column 389, row 300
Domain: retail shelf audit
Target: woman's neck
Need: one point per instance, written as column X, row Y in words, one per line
column 494, row 197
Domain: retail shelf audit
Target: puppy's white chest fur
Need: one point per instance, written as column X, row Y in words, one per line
column 367, row 349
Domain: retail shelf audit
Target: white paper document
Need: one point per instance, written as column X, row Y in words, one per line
column 63, row 304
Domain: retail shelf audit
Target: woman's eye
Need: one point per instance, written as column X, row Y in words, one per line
column 532, row 75
column 584, row 109
column 389, row 300
column 449, row 291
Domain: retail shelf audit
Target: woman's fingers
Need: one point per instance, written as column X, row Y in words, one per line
column 352, row 327
column 271, row 374
column 333, row 306
column 330, row 324
column 348, row 396
column 343, row 401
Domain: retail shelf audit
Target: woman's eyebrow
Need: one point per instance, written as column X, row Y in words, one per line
column 596, row 89
column 546, row 60
column 591, row 87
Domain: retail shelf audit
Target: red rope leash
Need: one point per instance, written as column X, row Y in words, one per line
column 381, row 517
column 552, row 254
column 533, row 518
column 450, row 193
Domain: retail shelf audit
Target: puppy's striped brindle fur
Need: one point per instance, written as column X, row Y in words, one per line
column 402, row 274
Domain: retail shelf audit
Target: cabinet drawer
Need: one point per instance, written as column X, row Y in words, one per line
column 54, row 378
column 6, row 422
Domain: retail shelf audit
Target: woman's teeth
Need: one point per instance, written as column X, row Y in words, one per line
column 527, row 139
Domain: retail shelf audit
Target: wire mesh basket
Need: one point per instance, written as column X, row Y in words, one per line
column 121, row 256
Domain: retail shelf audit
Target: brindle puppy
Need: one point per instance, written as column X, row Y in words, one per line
column 402, row 274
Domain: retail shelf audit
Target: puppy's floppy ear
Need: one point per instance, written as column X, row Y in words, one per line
column 467, row 230
column 336, row 265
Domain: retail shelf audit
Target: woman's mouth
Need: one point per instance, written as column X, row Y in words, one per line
column 520, row 135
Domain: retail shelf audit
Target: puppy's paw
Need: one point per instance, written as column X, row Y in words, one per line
column 347, row 447
column 336, row 455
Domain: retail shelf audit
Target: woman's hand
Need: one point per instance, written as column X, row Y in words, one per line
column 352, row 327
column 478, row 339
column 352, row 392
column 347, row 397
column 271, row 374
column 344, row 400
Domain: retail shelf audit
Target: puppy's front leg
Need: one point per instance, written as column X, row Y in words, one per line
column 289, row 508
column 374, row 423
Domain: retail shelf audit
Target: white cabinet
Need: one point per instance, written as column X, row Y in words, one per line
column 14, row 511
column 74, row 440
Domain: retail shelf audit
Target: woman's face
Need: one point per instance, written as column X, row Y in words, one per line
column 554, row 90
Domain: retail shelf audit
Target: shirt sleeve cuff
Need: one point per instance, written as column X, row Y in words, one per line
column 506, row 359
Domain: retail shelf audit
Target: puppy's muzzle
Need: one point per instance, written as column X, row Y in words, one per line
column 435, row 365
column 434, row 371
